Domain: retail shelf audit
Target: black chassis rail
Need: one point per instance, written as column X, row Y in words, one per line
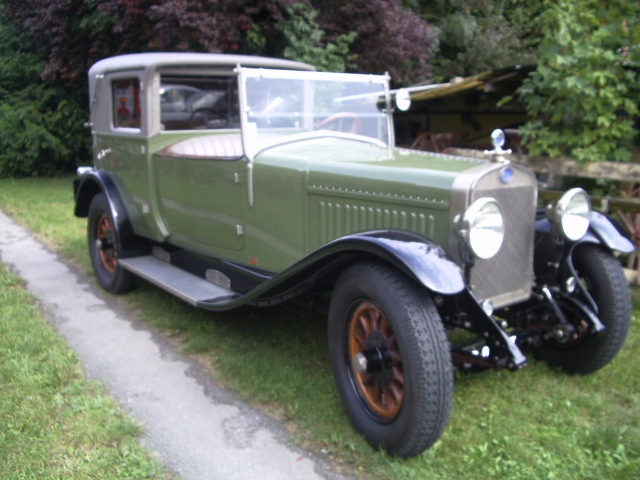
column 492, row 347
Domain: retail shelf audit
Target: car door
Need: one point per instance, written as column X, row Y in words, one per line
column 198, row 172
column 201, row 199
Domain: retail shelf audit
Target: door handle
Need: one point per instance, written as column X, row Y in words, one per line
column 103, row 153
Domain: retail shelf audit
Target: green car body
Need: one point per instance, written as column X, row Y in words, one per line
column 232, row 180
column 302, row 200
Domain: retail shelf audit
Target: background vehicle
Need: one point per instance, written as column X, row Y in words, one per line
column 427, row 261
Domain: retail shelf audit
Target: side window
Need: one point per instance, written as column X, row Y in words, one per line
column 126, row 103
column 193, row 103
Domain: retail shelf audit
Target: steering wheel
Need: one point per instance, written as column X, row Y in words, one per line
column 340, row 119
column 207, row 118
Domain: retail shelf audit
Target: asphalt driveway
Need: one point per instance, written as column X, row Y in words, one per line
column 197, row 428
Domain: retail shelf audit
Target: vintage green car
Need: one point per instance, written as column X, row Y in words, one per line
column 236, row 180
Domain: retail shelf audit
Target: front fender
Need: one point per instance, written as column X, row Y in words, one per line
column 551, row 249
column 604, row 231
column 415, row 255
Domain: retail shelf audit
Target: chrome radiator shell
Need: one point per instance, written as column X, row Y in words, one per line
column 508, row 277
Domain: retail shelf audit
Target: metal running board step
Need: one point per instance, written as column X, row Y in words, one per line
column 184, row 285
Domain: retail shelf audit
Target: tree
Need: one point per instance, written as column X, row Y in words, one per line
column 305, row 41
column 217, row 25
column 479, row 35
column 389, row 37
column 65, row 33
column 43, row 112
column 583, row 97
column 41, row 124
column 74, row 34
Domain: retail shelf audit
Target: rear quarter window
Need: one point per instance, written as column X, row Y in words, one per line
column 126, row 103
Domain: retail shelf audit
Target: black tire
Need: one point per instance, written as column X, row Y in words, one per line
column 104, row 248
column 602, row 275
column 405, row 407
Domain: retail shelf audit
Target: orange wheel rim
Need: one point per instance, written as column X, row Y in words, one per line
column 106, row 234
column 369, row 328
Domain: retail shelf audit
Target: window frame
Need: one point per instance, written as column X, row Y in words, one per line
column 133, row 102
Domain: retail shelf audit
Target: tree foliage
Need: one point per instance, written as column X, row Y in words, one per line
column 479, row 35
column 583, row 97
column 41, row 124
column 389, row 37
column 63, row 38
column 215, row 25
column 74, row 34
column 59, row 30
column 305, row 41
column 380, row 35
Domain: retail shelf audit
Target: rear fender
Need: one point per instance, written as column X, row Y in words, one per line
column 90, row 184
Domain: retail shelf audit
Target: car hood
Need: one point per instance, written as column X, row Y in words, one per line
column 342, row 167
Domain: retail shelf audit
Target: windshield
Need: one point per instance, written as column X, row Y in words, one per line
column 281, row 106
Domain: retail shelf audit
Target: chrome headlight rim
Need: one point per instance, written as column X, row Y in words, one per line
column 483, row 227
column 571, row 214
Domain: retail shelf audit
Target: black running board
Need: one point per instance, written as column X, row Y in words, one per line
column 184, row 285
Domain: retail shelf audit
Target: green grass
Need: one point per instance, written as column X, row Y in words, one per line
column 536, row 423
column 53, row 422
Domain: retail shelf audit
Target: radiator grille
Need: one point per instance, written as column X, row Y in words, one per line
column 508, row 276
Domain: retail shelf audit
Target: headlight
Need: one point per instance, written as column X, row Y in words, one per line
column 483, row 227
column 403, row 100
column 571, row 214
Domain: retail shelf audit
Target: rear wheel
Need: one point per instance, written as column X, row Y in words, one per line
column 584, row 352
column 104, row 248
column 390, row 359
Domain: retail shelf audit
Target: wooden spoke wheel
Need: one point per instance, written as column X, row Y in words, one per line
column 371, row 340
column 390, row 358
column 105, row 247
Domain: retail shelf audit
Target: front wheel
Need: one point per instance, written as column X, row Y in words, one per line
column 602, row 276
column 390, row 359
column 105, row 247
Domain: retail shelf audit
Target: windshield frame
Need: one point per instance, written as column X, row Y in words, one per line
column 249, row 128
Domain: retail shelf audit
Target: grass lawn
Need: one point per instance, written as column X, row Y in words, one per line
column 536, row 423
column 53, row 422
